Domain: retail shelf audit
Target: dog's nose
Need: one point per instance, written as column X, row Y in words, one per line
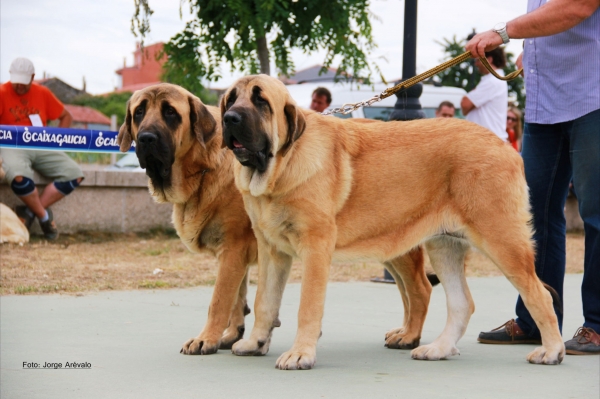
column 232, row 118
column 147, row 138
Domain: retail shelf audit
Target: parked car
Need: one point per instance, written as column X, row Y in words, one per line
column 344, row 93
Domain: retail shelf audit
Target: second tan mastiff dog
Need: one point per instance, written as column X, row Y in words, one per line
column 179, row 143
column 316, row 186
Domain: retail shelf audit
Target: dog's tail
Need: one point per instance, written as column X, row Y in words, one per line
column 556, row 301
column 433, row 279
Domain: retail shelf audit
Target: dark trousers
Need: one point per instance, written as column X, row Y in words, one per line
column 553, row 156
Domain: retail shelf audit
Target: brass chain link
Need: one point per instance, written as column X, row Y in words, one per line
column 347, row 108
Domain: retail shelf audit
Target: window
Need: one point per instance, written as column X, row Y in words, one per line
column 379, row 113
column 342, row 116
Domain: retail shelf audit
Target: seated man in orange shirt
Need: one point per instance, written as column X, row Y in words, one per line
column 23, row 102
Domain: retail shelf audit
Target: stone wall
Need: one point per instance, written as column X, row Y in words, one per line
column 106, row 201
column 118, row 201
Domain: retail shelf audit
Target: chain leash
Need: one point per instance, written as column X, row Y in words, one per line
column 348, row 108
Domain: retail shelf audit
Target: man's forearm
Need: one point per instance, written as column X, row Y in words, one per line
column 65, row 120
column 553, row 17
column 466, row 105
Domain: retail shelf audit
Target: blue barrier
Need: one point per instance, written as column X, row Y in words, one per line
column 59, row 139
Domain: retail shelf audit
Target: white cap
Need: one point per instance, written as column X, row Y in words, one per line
column 21, row 70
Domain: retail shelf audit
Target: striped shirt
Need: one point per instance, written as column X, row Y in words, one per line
column 562, row 72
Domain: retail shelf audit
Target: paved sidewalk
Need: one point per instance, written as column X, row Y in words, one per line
column 132, row 341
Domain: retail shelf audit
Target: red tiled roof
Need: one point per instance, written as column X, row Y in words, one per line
column 134, row 87
column 87, row 114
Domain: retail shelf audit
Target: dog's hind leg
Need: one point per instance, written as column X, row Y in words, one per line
column 447, row 255
column 408, row 271
column 514, row 255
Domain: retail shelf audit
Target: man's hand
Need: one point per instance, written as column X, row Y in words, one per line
column 482, row 42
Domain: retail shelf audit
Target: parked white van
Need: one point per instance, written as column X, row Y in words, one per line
column 344, row 93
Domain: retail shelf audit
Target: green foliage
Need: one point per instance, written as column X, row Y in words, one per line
column 92, row 157
column 462, row 75
column 236, row 33
column 184, row 66
column 110, row 104
column 466, row 76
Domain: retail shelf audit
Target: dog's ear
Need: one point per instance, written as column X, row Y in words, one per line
column 223, row 107
column 124, row 138
column 296, row 124
column 202, row 123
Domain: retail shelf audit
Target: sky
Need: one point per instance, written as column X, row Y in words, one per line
column 73, row 39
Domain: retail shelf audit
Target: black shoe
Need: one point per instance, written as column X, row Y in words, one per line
column 25, row 216
column 49, row 227
column 586, row 341
column 508, row 333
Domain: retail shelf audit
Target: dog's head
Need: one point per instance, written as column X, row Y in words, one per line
column 261, row 121
column 165, row 121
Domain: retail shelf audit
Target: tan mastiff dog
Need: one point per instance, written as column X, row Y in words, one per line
column 179, row 143
column 12, row 230
column 317, row 186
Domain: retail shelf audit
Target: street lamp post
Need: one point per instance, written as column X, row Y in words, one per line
column 407, row 106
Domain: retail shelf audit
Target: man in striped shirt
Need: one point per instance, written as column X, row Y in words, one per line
column 561, row 142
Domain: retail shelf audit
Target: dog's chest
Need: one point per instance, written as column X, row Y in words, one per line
column 197, row 230
column 276, row 225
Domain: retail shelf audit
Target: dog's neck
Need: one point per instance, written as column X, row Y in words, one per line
column 201, row 165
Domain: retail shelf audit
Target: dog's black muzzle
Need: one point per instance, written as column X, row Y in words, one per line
column 250, row 146
column 155, row 156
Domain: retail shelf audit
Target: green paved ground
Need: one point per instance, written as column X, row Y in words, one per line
column 132, row 341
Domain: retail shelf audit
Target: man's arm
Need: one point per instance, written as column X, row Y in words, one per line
column 466, row 105
column 554, row 17
column 65, row 119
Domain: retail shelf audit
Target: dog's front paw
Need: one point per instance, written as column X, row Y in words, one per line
column 434, row 351
column 542, row 355
column 394, row 331
column 297, row 359
column 398, row 338
column 250, row 347
column 201, row 345
column 231, row 336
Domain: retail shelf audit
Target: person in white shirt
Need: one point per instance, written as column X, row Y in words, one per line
column 487, row 104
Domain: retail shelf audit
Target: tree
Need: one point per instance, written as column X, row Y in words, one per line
column 466, row 76
column 247, row 34
column 184, row 66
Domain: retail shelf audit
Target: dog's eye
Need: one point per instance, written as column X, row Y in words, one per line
column 139, row 111
column 170, row 111
column 261, row 101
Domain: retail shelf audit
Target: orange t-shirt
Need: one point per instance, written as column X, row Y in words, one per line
column 15, row 109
